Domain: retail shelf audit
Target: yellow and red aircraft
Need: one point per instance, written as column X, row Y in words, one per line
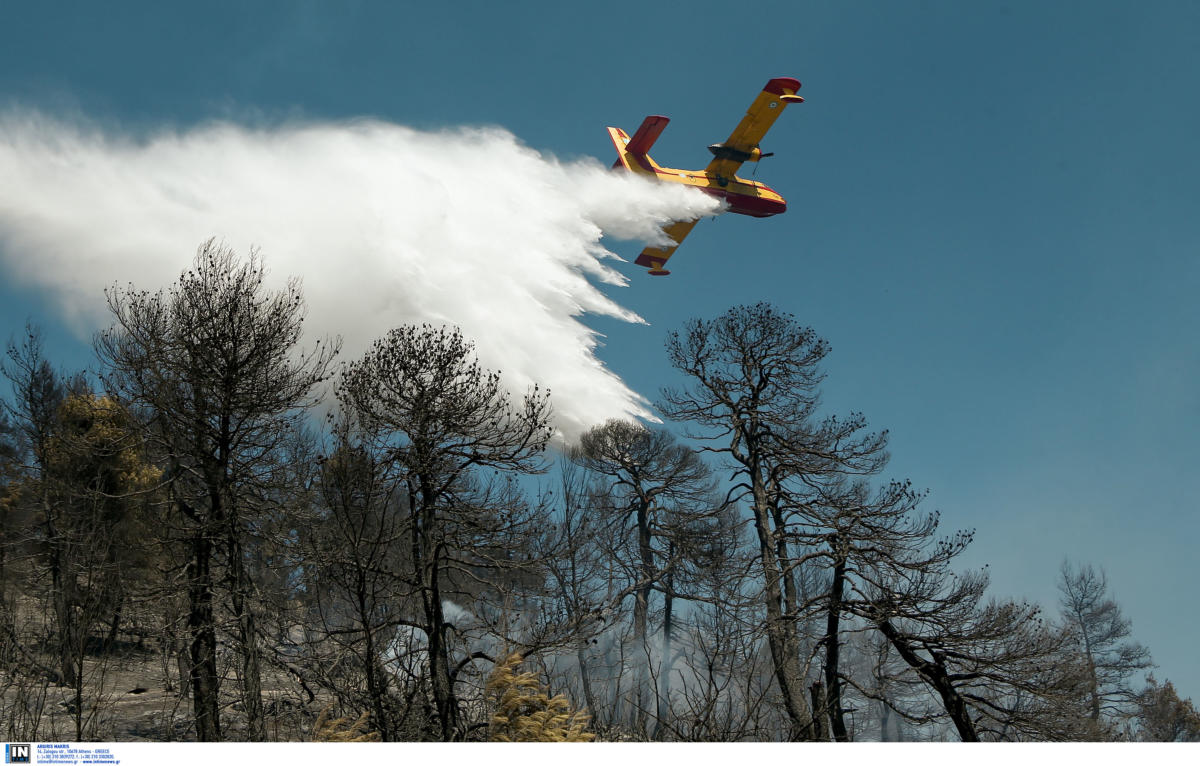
column 718, row 179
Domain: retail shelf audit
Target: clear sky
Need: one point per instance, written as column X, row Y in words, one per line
column 993, row 216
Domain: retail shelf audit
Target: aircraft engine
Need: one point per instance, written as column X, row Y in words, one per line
column 723, row 152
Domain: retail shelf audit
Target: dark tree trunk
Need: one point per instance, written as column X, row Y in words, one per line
column 248, row 640
column 64, row 614
column 833, row 651
column 935, row 674
column 183, row 664
column 63, row 596
column 641, row 618
column 377, row 688
column 668, row 660
column 781, row 630
column 585, row 679
column 114, row 625
column 205, row 682
column 783, row 560
column 439, row 659
column 819, row 706
column 428, row 563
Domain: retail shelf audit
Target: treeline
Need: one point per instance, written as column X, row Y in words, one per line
column 187, row 517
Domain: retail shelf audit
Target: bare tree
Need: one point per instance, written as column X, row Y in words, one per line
column 213, row 365
column 655, row 500
column 393, row 569
column 354, row 557
column 9, row 473
column 577, row 586
column 753, row 391
column 38, row 392
column 437, row 418
column 1099, row 631
column 993, row 665
column 867, row 539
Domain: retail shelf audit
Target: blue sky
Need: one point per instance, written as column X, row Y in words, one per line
column 992, row 216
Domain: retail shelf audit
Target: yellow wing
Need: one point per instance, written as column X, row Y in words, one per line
column 654, row 258
column 742, row 144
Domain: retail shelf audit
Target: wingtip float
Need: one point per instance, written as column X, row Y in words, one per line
column 719, row 178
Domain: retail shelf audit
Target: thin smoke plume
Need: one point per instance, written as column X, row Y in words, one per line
column 385, row 225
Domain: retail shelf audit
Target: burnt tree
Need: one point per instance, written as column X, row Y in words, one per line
column 752, row 389
column 437, row 418
column 213, row 365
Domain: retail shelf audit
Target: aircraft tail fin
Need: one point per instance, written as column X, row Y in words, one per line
column 632, row 153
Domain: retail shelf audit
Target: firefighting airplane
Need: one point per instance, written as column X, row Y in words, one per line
column 718, row 179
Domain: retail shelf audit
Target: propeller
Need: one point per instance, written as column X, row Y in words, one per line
column 762, row 156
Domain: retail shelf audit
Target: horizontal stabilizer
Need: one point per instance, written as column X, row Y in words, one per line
column 652, row 127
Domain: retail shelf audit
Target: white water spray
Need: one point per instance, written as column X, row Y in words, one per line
column 384, row 224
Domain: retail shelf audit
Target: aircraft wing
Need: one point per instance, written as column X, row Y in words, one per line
column 767, row 107
column 654, row 258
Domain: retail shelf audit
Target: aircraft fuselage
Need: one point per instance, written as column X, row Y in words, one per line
column 745, row 197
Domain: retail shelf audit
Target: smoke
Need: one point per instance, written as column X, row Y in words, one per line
column 384, row 224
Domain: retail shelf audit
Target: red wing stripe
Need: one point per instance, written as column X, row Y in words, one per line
column 652, row 127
